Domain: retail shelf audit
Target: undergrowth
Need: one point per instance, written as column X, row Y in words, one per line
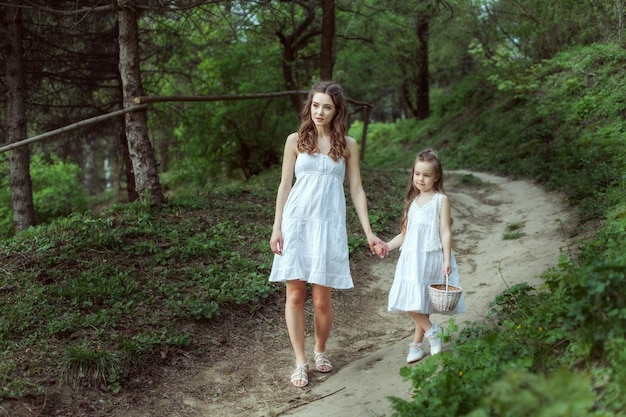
column 93, row 299
column 556, row 350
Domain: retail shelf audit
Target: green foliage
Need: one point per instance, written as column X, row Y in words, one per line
column 393, row 145
column 90, row 366
column 472, row 180
column 610, row 376
column 135, row 267
column 564, row 128
column 598, row 306
column 512, row 231
column 520, row 393
column 98, row 296
column 558, row 351
column 490, row 367
column 538, row 29
column 57, row 192
column 594, row 289
column 226, row 139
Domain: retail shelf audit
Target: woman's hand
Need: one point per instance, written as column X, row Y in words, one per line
column 378, row 246
column 380, row 250
column 276, row 242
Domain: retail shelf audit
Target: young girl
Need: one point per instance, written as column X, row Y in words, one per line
column 426, row 255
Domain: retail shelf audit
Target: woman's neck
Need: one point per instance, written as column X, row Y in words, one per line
column 323, row 132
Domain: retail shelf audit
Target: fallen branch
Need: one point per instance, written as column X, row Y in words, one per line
column 292, row 407
column 157, row 99
column 67, row 128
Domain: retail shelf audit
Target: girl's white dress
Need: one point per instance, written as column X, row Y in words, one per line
column 421, row 262
column 315, row 246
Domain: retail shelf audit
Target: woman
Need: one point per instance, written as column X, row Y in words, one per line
column 309, row 235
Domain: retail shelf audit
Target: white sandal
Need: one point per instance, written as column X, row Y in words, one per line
column 322, row 363
column 301, row 373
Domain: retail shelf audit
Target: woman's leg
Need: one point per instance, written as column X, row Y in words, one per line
column 294, row 316
column 323, row 320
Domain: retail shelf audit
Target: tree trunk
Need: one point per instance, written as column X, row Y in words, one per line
column 19, row 158
column 328, row 40
column 139, row 146
column 292, row 45
column 423, row 76
column 131, row 191
column 126, row 162
column 289, row 57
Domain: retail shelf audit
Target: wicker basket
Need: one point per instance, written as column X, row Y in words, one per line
column 444, row 297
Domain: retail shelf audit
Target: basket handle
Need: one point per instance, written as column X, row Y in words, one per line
column 446, row 275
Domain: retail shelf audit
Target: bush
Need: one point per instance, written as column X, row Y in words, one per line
column 57, row 192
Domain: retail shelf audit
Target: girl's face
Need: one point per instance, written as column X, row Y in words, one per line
column 424, row 176
column 322, row 109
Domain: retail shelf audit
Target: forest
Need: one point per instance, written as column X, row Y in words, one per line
column 141, row 151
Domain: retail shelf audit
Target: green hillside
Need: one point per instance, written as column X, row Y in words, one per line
column 92, row 298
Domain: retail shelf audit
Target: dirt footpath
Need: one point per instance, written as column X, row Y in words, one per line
column 486, row 261
column 249, row 376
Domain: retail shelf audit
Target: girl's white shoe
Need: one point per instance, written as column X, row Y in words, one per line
column 416, row 352
column 434, row 339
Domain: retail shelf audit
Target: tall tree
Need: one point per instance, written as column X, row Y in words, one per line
column 19, row 158
column 416, row 81
column 420, row 106
column 538, row 29
column 295, row 32
column 140, row 148
column 327, row 50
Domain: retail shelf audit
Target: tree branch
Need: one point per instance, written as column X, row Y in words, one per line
column 73, row 126
column 156, row 99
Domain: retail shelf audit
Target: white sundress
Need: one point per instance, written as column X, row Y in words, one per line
column 421, row 262
column 315, row 246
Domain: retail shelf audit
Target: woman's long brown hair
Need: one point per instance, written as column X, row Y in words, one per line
column 307, row 133
column 427, row 155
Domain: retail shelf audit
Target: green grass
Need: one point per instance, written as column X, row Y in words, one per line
column 93, row 297
column 513, row 232
column 542, row 352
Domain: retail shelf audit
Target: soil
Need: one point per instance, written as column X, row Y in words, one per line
column 245, row 360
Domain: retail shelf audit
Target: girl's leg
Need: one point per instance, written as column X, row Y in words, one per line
column 422, row 324
column 323, row 320
column 416, row 349
column 424, row 327
column 294, row 316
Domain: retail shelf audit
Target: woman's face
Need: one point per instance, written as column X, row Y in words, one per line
column 322, row 109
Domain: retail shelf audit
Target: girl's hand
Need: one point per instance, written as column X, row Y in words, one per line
column 381, row 249
column 447, row 270
column 276, row 242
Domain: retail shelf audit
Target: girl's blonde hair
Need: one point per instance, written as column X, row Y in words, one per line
column 427, row 155
column 307, row 133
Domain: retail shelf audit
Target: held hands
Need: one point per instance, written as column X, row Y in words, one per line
column 378, row 246
column 381, row 249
